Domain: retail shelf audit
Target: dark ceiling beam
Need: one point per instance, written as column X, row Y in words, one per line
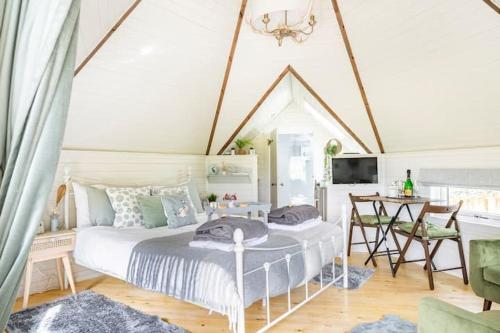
column 355, row 70
column 290, row 70
column 329, row 109
column 226, row 73
column 255, row 108
column 106, row 37
column 493, row 5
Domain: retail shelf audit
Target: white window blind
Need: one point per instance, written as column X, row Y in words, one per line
column 467, row 178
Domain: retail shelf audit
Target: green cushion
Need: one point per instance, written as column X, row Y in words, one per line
column 436, row 316
column 152, row 211
column 492, row 317
column 433, row 231
column 484, row 253
column 372, row 219
column 100, row 210
column 492, row 274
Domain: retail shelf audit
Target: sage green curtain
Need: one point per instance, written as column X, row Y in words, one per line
column 37, row 55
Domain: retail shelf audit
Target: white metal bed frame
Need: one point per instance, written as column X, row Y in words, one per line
column 239, row 250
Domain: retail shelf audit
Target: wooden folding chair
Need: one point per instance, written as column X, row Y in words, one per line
column 425, row 232
column 368, row 221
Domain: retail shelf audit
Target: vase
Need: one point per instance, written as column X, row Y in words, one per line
column 54, row 223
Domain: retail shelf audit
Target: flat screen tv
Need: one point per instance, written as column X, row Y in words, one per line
column 354, row 170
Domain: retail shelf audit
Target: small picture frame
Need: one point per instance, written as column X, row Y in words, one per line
column 213, row 170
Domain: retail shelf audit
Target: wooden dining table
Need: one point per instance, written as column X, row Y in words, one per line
column 403, row 202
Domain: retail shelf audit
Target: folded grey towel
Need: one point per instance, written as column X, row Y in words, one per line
column 293, row 215
column 222, row 230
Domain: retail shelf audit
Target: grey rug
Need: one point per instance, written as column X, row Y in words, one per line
column 86, row 312
column 357, row 276
column 388, row 324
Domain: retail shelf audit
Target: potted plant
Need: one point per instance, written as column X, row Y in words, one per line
column 212, row 200
column 242, row 144
column 332, row 148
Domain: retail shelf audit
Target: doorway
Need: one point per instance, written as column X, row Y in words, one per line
column 292, row 169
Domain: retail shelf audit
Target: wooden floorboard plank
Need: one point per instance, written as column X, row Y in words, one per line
column 336, row 310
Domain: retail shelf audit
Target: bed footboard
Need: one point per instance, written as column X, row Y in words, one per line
column 240, row 275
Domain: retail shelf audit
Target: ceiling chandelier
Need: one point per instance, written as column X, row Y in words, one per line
column 282, row 18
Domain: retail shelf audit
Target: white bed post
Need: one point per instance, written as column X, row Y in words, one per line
column 66, row 197
column 344, row 246
column 238, row 250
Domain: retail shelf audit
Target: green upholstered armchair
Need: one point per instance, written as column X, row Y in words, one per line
column 437, row 316
column 484, row 268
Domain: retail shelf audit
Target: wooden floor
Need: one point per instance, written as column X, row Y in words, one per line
column 336, row 310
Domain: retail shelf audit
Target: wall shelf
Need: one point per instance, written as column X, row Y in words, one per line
column 229, row 179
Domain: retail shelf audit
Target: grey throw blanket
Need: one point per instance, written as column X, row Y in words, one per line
column 293, row 215
column 208, row 277
column 222, row 230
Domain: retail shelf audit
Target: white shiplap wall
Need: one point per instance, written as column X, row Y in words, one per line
column 396, row 165
column 97, row 17
column 153, row 86
column 145, row 168
column 114, row 168
column 241, row 163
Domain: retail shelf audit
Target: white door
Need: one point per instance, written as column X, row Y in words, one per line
column 293, row 178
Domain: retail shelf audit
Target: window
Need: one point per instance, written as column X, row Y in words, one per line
column 482, row 203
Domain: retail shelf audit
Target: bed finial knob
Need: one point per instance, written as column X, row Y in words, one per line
column 238, row 236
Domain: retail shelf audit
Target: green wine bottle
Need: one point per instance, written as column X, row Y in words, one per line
column 408, row 186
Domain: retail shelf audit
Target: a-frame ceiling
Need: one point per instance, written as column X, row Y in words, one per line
column 292, row 105
column 430, row 70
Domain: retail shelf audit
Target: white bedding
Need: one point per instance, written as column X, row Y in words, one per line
column 108, row 249
column 297, row 227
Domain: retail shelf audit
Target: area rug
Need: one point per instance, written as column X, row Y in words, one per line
column 357, row 276
column 86, row 312
column 388, row 324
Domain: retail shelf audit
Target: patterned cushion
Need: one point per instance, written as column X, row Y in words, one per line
column 372, row 219
column 433, row 231
column 174, row 190
column 178, row 210
column 126, row 206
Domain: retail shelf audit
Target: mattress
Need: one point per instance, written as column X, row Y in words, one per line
column 108, row 249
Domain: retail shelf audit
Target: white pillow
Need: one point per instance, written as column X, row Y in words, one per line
column 175, row 190
column 124, row 202
column 170, row 189
column 82, row 205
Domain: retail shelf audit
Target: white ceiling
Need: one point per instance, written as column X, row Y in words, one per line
column 154, row 85
column 97, row 17
column 290, row 91
column 431, row 71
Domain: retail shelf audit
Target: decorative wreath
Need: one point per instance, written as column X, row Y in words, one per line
column 333, row 147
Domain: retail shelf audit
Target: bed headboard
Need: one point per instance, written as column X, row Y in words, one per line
column 121, row 169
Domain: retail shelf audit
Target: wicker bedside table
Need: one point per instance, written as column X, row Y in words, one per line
column 47, row 246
